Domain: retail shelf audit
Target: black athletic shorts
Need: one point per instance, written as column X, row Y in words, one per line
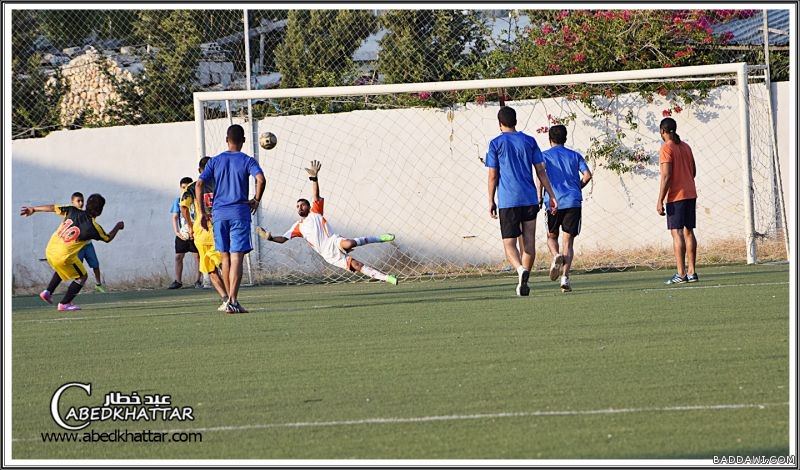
column 511, row 219
column 184, row 246
column 568, row 220
column 681, row 214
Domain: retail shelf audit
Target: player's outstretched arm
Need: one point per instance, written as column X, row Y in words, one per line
column 27, row 211
column 266, row 235
column 313, row 175
column 113, row 233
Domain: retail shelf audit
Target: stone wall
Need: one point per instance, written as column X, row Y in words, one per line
column 89, row 89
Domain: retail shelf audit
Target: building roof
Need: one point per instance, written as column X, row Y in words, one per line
column 749, row 31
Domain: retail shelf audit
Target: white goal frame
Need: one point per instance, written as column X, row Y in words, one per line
column 741, row 71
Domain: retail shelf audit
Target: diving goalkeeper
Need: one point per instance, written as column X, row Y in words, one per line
column 315, row 229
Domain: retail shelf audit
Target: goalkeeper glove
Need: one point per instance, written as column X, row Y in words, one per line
column 314, row 170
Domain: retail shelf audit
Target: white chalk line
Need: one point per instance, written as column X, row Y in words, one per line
column 317, row 307
column 429, row 419
column 193, row 312
column 715, row 286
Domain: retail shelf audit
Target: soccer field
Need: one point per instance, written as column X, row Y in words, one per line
column 623, row 367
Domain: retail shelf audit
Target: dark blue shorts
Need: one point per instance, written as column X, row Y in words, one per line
column 87, row 253
column 681, row 214
column 232, row 236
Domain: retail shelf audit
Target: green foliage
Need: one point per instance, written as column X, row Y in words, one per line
column 431, row 45
column 419, row 46
column 24, row 29
column 319, row 45
column 610, row 152
column 589, row 41
column 317, row 52
column 169, row 77
column 35, row 103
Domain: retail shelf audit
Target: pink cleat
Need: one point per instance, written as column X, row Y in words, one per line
column 46, row 296
column 68, row 307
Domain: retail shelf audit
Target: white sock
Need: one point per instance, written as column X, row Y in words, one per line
column 564, row 279
column 374, row 273
column 366, row 240
column 521, row 269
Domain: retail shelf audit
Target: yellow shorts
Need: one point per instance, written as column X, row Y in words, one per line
column 67, row 266
column 210, row 258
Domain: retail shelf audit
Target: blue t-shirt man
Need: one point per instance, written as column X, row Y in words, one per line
column 230, row 173
column 513, row 154
column 564, row 168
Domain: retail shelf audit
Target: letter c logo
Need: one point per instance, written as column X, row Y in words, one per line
column 54, row 405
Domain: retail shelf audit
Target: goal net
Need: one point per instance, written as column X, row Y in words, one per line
column 409, row 159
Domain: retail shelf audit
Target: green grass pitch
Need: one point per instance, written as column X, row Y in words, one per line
column 623, row 367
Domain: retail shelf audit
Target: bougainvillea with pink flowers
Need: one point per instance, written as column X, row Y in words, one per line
column 585, row 41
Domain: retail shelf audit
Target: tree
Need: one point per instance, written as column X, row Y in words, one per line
column 36, row 100
column 317, row 51
column 168, row 81
column 319, row 45
column 431, row 45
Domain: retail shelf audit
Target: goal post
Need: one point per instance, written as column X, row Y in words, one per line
column 408, row 159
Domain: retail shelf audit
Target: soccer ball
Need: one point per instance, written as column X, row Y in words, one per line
column 267, row 140
column 184, row 232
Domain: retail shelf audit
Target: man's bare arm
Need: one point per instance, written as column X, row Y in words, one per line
column 494, row 176
column 26, row 211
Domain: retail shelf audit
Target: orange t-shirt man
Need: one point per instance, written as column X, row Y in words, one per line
column 683, row 170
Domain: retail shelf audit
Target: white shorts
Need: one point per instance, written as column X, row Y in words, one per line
column 331, row 251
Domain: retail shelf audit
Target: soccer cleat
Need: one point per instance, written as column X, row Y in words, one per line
column 555, row 268
column 198, row 285
column 677, row 279
column 224, row 306
column 70, row 307
column 175, row 285
column 46, row 296
column 522, row 288
column 387, row 237
column 235, row 307
column 391, row 279
column 100, row 288
column 565, row 287
column 692, row 278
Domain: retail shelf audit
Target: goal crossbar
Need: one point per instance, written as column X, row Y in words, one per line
column 545, row 80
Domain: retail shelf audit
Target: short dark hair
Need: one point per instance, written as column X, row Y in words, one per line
column 77, row 194
column 235, row 134
column 304, row 200
column 186, row 180
column 507, row 116
column 203, row 162
column 669, row 126
column 558, row 134
column 95, row 204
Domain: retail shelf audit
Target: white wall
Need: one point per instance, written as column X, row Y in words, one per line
column 414, row 172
